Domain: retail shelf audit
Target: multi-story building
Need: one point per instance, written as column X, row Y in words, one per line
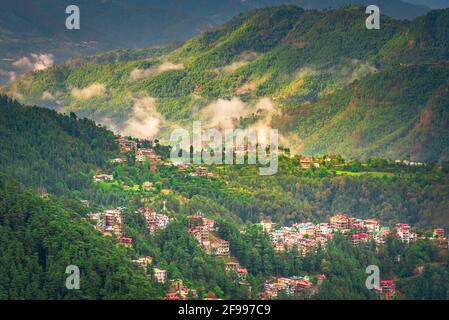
column 405, row 233
column 160, row 275
column 359, row 238
column 387, row 289
column 221, row 248
column 381, row 235
column 126, row 145
column 127, row 241
column 371, row 225
column 341, row 223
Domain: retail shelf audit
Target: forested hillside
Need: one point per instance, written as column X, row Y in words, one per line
column 40, row 238
column 329, row 84
column 48, row 151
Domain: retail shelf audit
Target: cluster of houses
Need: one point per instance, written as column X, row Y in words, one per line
column 234, row 266
column 142, row 154
column 155, row 221
column 293, row 287
column 177, row 291
column 309, row 236
column 201, row 172
column 151, row 156
column 202, row 229
column 126, row 145
column 110, row 222
column 307, row 163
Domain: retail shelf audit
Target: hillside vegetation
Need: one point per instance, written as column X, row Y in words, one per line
column 325, row 81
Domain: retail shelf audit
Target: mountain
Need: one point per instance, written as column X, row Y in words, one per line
column 33, row 35
column 326, row 81
column 434, row 4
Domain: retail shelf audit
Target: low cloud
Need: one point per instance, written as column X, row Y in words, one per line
column 47, row 96
column 138, row 74
column 243, row 59
column 145, row 121
column 10, row 76
column 95, row 89
column 35, row 62
column 223, row 114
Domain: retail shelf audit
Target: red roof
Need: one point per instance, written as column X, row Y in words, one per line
column 242, row 270
column 360, row 236
column 126, row 240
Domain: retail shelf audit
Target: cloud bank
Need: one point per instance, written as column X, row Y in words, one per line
column 35, row 62
column 138, row 74
column 95, row 89
column 144, row 121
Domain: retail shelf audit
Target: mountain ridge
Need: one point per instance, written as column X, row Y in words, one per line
column 270, row 66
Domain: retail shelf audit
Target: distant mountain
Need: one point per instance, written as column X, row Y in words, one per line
column 322, row 78
column 33, row 34
column 434, row 4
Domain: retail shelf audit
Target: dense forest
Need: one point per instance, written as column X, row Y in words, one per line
column 48, row 151
column 41, row 237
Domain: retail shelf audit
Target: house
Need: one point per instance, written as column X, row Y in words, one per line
column 221, row 248
column 160, row 275
column 371, row 225
column 306, row 162
column 404, row 233
column 143, row 262
column 103, row 177
column 242, row 273
column 126, row 145
column 202, row 172
column 231, row 266
column 182, row 165
column 127, row 241
column 306, row 229
column 172, row 295
column 118, row 160
column 146, row 186
column 359, row 238
column 266, row 225
column 381, row 235
column 439, row 233
column 387, row 289
column 209, row 224
column 340, row 222
column 320, row 278
column 211, row 296
column 150, row 155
